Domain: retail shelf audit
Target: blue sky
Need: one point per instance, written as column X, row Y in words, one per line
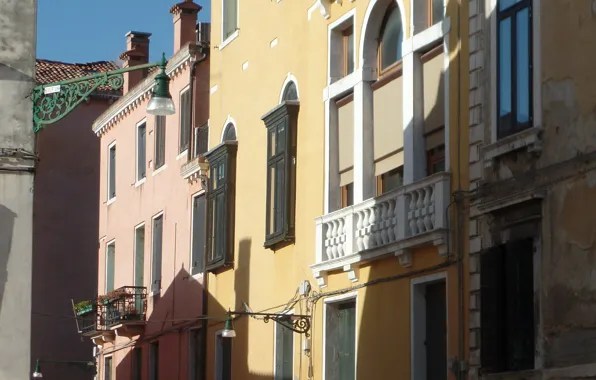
column 80, row 31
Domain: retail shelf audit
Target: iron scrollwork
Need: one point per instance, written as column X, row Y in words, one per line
column 297, row 323
column 52, row 107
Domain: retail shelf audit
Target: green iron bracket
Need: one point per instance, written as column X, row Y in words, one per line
column 53, row 101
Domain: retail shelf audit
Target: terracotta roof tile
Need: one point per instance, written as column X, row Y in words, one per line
column 47, row 71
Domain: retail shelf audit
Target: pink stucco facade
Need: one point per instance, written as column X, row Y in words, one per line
column 175, row 309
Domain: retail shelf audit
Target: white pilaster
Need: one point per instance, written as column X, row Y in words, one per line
column 413, row 114
column 332, row 190
column 364, row 170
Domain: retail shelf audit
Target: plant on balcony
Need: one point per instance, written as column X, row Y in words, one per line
column 131, row 312
column 84, row 307
column 114, row 295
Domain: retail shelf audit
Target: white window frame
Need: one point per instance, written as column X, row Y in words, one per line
column 183, row 153
column 134, row 257
column 491, row 14
column 162, row 214
column 288, row 312
column 415, row 284
column 334, row 301
column 110, row 242
column 335, row 56
column 225, row 42
column 103, row 369
column 112, row 199
column 140, row 181
column 199, row 193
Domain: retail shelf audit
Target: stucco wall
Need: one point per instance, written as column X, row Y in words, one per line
column 17, row 67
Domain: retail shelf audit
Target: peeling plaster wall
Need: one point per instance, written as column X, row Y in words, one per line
column 17, row 66
column 563, row 174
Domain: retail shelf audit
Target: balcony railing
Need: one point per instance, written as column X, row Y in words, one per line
column 124, row 305
column 86, row 317
column 413, row 215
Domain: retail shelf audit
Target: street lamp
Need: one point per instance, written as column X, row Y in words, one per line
column 295, row 322
column 53, row 101
column 85, row 364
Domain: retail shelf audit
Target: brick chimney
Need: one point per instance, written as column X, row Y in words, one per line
column 185, row 21
column 137, row 53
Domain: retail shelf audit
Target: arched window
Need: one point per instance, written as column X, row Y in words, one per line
column 290, row 93
column 230, row 133
column 391, row 38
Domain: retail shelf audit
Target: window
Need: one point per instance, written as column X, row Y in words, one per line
column 284, row 351
column 514, row 66
column 230, row 18
column 184, row 120
column 223, row 358
column 347, row 195
column 429, row 327
column 154, row 361
column 157, row 252
column 435, row 160
column 110, row 266
column 137, row 363
column 112, row 171
column 107, row 368
column 195, row 340
column 141, row 150
column 139, row 263
column 340, row 341
column 390, row 49
column 507, row 309
column 348, row 50
column 160, row 141
column 201, row 140
column 390, row 180
column 221, row 198
column 435, row 11
column 281, row 174
column 199, row 217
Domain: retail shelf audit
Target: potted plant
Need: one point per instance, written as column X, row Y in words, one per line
column 131, row 312
column 84, row 307
column 114, row 295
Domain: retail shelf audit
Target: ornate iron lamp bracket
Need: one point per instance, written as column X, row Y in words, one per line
column 295, row 322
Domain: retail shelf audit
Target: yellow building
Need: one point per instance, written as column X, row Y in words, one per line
column 336, row 140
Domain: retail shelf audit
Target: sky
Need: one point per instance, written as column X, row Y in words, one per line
column 79, row 31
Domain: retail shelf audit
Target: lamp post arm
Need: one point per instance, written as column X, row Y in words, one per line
column 53, row 101
column 296, row 322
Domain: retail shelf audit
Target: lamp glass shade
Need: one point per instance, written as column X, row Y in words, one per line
column 160, row 106
column 228, row 331
column 37, row 375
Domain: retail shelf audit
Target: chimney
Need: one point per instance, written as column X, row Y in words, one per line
column 137, row 53
column 185, row 21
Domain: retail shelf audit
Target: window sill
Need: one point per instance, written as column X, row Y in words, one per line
column 155, row 294
column 159, row 170
column 198, row 276
column 529, row 139
column 228, row 40
column 140, row 182
column 277, row 242
column 110, row 201
column 182, row 154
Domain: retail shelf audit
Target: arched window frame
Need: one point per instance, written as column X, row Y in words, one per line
column 397, row 65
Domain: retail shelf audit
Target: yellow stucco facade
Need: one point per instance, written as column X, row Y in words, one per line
column 284, row 41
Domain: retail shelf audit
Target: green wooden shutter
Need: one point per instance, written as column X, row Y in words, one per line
column 160, row 141
column 141, row 147
column 492, row 309
column 139, row 256
column 112, row 176
column 288, row 353
column 198, row 234
column 347, row 341
column 279, row 352
column 157, row 250
column 110, row 267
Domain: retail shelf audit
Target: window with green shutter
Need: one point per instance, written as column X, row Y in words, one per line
column 199, row 217
column 141, row 150
column 284, row 351
column 160, row 142
column 184, row 120
column 110, row 266
column 281, row 124
column 157, row 246
column 112, row 172
column 507, row 307
column 221, row 204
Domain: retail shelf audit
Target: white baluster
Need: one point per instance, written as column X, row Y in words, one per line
column 412, row 213
column 328, row 241
column 365, row 230
column 341, row 237
column 383, row 222
column 359, row 237
column 389, row 222
column 334, row 240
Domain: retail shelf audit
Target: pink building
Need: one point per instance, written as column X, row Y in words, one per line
column 65, row 222
column 145, row 322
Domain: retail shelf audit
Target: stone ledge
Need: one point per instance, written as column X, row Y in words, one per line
column 529, row 139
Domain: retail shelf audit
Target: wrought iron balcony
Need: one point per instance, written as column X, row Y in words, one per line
column 391, row 224
column 86, row 317
column 123, row 307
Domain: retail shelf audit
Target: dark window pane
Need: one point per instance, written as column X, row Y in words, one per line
column 505, row 68
column 230, row 133
column 141, row 151
column 281, row 137
column 272, row 142
column 198, row 234
column 350, row 194
column 107, row 375
column 347, row 341
column 157, row 253
column 523, row 65
column 504, row 4
column 350, row 53
column 392, row 180
column 437, row 11
column 280, row 197
column 271, row 200
column 391, row 39
column 291, row 92
column 160, row 141
column 112, row 173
